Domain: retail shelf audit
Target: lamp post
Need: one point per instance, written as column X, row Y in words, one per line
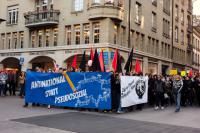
column 129, row 24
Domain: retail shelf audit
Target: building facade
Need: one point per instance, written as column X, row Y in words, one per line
column 196, row 48
column 182, row 34
column 40, row 32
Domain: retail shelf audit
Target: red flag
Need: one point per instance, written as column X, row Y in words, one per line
column 74, row 62
column 190, row 73
column 137, row 66
column 101, row 61
column 91, row 54
column 114, row 62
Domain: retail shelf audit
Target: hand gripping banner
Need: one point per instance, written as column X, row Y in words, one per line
column 83, row 90
column 134, row 90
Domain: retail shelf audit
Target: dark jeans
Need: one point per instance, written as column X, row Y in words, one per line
column 13, row 87
column 2, row 89
column 177, row 98
column 22, row 90
column 159, row 99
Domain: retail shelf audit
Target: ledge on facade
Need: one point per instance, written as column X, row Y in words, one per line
column 166, row 11
column 153, row 29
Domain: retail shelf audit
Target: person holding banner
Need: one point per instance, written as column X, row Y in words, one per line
column 159, row 91
column 177, row 87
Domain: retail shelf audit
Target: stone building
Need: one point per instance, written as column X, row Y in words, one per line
column 40, row 32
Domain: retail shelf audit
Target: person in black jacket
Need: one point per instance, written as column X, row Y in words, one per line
column 159, row 91
column 197, row 89
column 189, row 91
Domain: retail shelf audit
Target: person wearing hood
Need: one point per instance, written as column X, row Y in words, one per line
column 159, row 92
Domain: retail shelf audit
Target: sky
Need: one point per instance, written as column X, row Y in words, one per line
column 196, row 7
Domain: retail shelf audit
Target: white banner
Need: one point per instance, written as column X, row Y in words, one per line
column 134, row 90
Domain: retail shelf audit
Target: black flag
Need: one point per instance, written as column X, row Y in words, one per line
column 119, row 63
column 83, row 63
column 95, row 63
column 128, row 65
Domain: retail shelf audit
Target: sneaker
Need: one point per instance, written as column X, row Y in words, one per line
column 177, row 110
column 49, row 106
column 25, row 106
column 162, row 108
column 120, row 112
column 156, row 108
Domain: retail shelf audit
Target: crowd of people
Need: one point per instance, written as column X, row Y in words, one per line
column 8, row 82
column 163, row 91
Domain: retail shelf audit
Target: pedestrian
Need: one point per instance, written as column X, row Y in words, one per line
column 22, row 84
column 177, row 87
column 159, row 92
column 3, row 79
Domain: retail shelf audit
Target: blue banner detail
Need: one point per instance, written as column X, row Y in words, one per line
column 83, row 90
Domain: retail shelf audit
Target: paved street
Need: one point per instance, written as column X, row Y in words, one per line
column 16, row 119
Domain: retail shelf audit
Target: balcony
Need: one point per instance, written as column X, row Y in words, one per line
column 41, row 18
column 189, row 29
column 106, row 10
column 190, row 47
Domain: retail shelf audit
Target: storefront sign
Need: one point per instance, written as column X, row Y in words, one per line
column 42, row 53
column 10, row 54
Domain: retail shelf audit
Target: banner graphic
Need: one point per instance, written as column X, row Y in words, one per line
column 134, row 90
column 83, row 90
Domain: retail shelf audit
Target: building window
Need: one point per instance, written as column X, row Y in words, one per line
column 40, row 38
column 3, row 41
column 86, row 33
column 176, row 13
column 138, row 11
column 166, row 6
column 9, row 41
column 77, row 34
column 96, row 32
column 68, row 35
column 33, row 39
column 176, row 34
column 13, row 14
column 153, row 22
column 115, row 34
column 182, row 16
column 55, row 37
column 96, row 1
column 47, row 35
column 15, row 40
column 166, row 28
column 21, row 39
column 123, row 35
column 45, row 2
column 78, row 5
column 182, row 37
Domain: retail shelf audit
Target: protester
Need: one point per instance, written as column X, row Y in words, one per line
column 22, row 84
column 177, row 87
column 159, row 91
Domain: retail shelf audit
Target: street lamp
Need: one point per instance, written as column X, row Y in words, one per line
column 129, row 25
